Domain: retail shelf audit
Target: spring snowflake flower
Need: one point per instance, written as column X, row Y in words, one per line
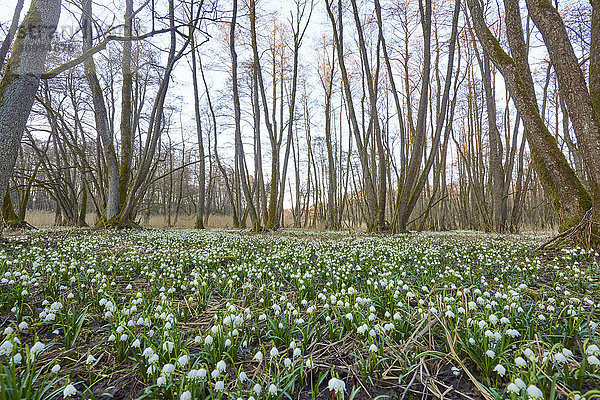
column 592, row 349
column 23, row 325
column 257, row 388
column 336, row 385
column 520, row 384
column 136, row 343
column 6, row 348
column 90, row 359
column 183, row 360
column 242, row 376
column 297, row 352
column 373, row 348
column 208, row 340
column 593, row 360
column 161, row 380
column 534, row 392
column 168, row 369
column 274, row 352
column 69, row 391
column 258, row 356
column 168, row 346
column 192, row 374
column 55, row 369
column 187, row 395
column 500, row 369
column 567, row 353
column 309, row 363
column 272, row 389
column 559, row 358
column 512, row 388
column 490, row 354
column 520, row 362
column 512, row 333
column 112, row 338
column 202, row 373
column 221, row 366
column 17, row 358
column 287, row 362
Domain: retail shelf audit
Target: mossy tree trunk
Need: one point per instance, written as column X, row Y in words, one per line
column 21, row 79
column 583, row 104
column 101, row 117
column 9, row 216
column 126, row 110
column 202, row 174
column 570, row 199
column 239, row 148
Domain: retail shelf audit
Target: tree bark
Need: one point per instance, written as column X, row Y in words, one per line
column 21, row 78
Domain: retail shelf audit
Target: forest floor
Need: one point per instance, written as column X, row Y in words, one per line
column 183, row 314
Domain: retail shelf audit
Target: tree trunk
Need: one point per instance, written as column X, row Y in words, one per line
column 101, row 117
column 21, row 78
column 570, row 199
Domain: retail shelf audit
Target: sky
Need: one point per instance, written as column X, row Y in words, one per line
column 181, row 89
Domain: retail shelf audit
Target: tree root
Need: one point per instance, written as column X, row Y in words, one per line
column 585, row 234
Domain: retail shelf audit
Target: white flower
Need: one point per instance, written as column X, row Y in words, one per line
column 559, row 358
column 274, row 352
column 69, row 391
column 272, row 389
column 520, row 362
column 183, row 360
column 490, row 354
column 202, row 373
column 185, row 395
column 257, row 388
column 592, row 349
column 297, row 352
column 17, row 358
column 373, row 348
column 23, row 325
column 512, row 332
column 520, row 384
column 242, row 376
column 567, row 353
column 287, row 362
column 136, row 343
column 161, row 380
column 6, row 348
column 593, row 360
column 168, row 369
column 336, row 385
column 534, row 392
column 258, row 356
column 500, row 369
column 208, row 340
column 55, row 369
column 221, row 366
column 168, row 346
column 220, row 386
column 112, row 338
column 309, row 363
column 90, row 359
column 512, row 388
